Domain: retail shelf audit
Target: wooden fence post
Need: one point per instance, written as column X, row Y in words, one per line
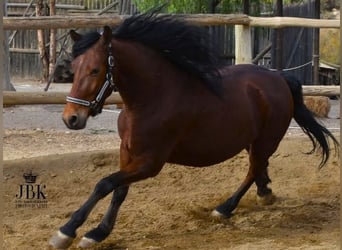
column 243, row 44
column 41, row 41
column 52, row 52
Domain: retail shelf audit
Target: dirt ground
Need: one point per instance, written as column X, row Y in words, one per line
column 172, row 210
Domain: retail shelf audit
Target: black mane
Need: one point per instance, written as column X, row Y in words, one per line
column 87, row 40
column 187, row 46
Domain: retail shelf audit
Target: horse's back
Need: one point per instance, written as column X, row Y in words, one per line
column 268, row 90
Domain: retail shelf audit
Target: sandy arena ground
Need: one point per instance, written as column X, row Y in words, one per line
column 172, row 210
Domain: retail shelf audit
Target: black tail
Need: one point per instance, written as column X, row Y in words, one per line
column 318, row 134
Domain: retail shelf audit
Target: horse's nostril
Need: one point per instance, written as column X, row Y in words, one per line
column 73, row 120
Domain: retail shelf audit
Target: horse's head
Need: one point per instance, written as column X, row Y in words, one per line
column 92, row 66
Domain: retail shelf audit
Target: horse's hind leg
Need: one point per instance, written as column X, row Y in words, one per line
column 259, row 154
column 264, row 193
column 258, row 160
column 226, row 208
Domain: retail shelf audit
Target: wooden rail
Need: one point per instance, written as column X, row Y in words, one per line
column 282, row 22
column 31, row 98
column 68, row 22
column 321, row 90
column 243, row 24
column 59, row 6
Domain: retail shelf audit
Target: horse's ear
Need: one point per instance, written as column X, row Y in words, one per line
column 107, row 34
column 75, row 36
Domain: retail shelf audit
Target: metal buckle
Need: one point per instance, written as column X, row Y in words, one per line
column 111, row 61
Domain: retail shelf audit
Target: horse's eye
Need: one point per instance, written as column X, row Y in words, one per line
column 94, row 72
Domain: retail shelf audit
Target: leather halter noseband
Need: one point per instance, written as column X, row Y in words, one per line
column 94, row 105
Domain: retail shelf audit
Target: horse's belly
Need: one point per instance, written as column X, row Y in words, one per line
column 208, row 151
column 200, row 160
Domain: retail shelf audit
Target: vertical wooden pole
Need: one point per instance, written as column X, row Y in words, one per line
column 52, row 54
column 315, row 47
column 41, row 41
column 7, row 85
column 243, row 47
column 279, row 38
column 243, row 40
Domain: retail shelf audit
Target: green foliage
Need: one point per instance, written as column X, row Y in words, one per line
column 330, row 47
column 203, row 6
column 175, row 6
column 236, row 6
column 186, row 6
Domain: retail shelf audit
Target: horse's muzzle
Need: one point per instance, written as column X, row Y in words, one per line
column 75, row 121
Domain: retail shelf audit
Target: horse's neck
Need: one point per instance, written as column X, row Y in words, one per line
column 141, row 73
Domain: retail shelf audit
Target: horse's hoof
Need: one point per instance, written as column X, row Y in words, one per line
column 86, row 243
column 268, row 199
column 217, row 214
column 60, row 241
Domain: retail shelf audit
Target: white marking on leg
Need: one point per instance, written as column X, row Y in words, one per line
column 60, row 240
column 217, row 214
column 86, row 242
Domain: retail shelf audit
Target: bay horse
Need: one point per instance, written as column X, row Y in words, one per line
column 181, row 105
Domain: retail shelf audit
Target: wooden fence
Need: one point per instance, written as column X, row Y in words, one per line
column 243, row 24
column 69, row 22
column 25, row 57
column 30, row 98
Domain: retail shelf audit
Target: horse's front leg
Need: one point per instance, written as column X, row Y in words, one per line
column 139, row 168
column 66, row 234
column 101, row 232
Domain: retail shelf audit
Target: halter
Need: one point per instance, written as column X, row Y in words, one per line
column 95, row 105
